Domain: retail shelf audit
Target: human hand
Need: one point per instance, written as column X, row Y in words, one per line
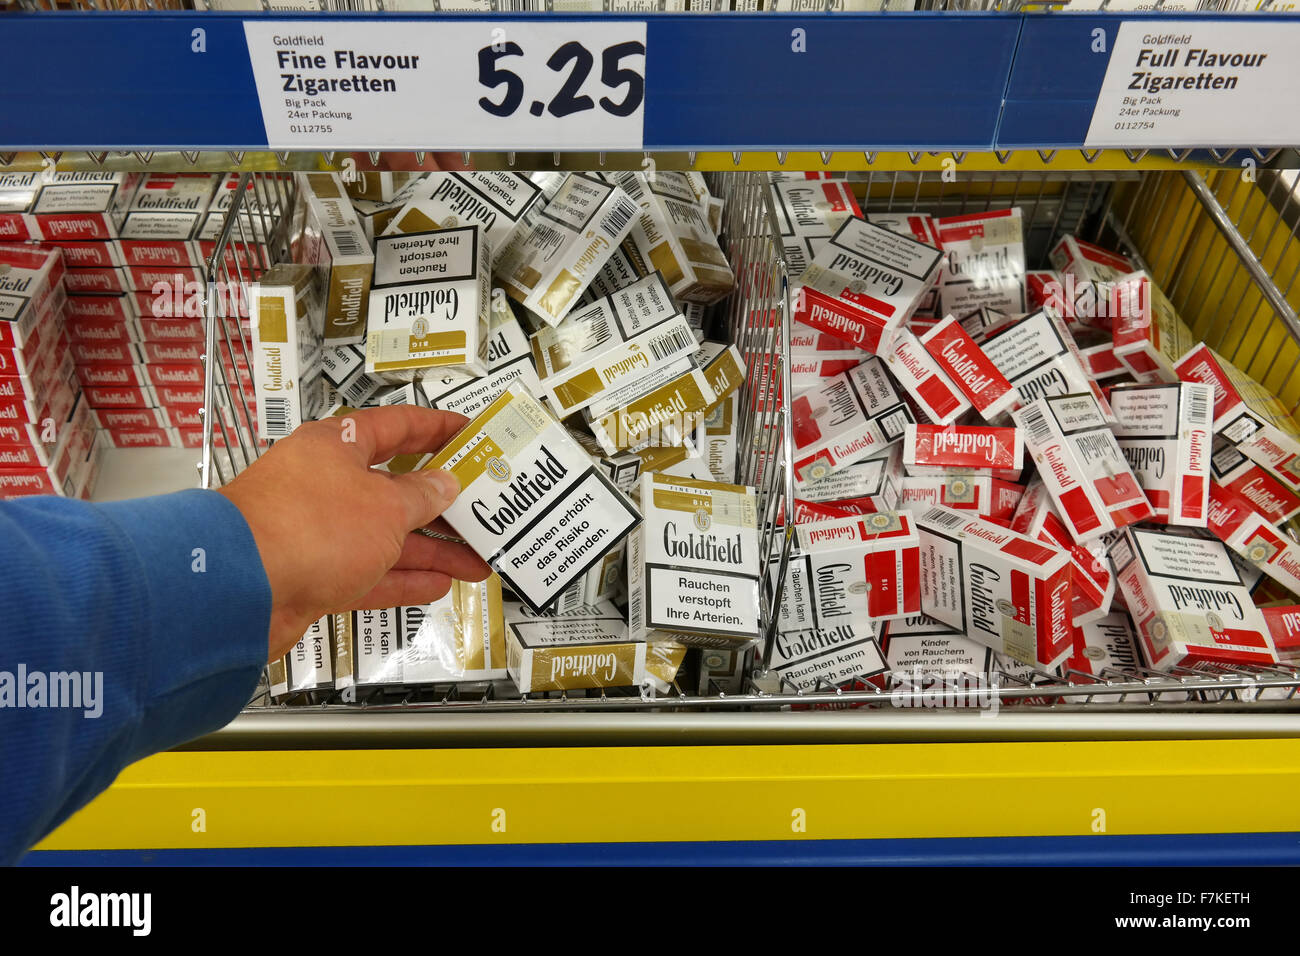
column 335, row 535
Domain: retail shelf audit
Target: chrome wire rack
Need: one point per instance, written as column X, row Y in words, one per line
column 1222, row 245
column 254, row 236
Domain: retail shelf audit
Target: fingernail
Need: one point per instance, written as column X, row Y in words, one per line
column 446, row 483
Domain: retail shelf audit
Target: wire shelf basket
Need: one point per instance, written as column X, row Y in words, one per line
column 1223, row 246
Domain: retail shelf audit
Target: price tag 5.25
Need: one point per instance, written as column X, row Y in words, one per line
column 450, row 85
column 622, row 67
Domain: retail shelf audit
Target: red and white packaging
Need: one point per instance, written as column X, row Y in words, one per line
column 807, row 342
column 1241, row 405
column 1105, row 648
column 168, row 206
column 17, row 192
column 182, row 416
column 1257, row 485
column 178, row 375
column 148, row 278
column 982, row 322
column 97, row 281
column 142, row 438
column 865, row 283
column 79, row 206
column 921, row 227
column 806, row 373
column 174, row 352
column 1165, row 432
column 942, row 450
column 1093, row 582
column 1284, row 627
column 118, row 308
column 1188, row 601
column 60, row 475
column 967, row 367
column 186, row 331
column 90, row 255
column 1251, row 535
column 1099, row 359
column 111, row 376
column 852, row 569
column 997, row 586
column 941, row 401
column 101, row 330
column 106, row 353
column 980, row 494
column 160, row 253
column 1149, row 336
column 1085, row 270
column 861, row 488
column 986, row 262
column 1039, row 358
column 1090, row 481
column 1044, row 287
column 120, row 396
column 189, row 396
column 851, row 417
column 920, row 645
column 29, row 287
column 808, row 213
column 1276, row 451
column 128, row 417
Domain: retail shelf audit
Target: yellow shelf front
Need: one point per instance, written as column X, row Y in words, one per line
column 230, row 799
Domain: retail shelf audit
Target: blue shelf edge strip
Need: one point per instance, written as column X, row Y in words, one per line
column 921, row 81
column 1191, row 849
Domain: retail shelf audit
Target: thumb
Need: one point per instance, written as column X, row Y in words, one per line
column 425, row 494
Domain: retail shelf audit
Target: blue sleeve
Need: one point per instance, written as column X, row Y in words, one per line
column 153, row 612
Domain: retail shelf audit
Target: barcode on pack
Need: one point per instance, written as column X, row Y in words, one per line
column 616, row 219
column 670, row 343
column 360, row 390
column 277, row 415
column 1199, row 406
column 1036, row 425
column 946, row 519
column 347, row 241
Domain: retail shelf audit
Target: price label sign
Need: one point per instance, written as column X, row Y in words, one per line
column 1181, row 83
column 471, row 85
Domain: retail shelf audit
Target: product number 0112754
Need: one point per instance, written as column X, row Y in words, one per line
column 1136, row 124
column 577, row 62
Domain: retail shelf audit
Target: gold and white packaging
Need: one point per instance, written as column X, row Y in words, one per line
column 288, row 330
column 429, row 304
column 494, row 201
column 532, row 502
column 693, row 564
column 331, row 239
column 673, row 235
column 589, row 648
column 555, row 253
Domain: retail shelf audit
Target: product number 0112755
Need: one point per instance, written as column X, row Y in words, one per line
column 578, row 62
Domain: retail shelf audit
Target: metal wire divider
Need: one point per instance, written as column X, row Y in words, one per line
column 758, row 319
column 253, row 237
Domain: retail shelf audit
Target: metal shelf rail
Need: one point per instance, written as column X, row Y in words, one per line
column 1224, row 247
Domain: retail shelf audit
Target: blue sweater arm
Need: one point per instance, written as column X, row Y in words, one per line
column 158, row 611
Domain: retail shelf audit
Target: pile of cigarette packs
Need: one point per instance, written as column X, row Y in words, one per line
column 997, row 470
column 133, row 248
column 565, row 316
